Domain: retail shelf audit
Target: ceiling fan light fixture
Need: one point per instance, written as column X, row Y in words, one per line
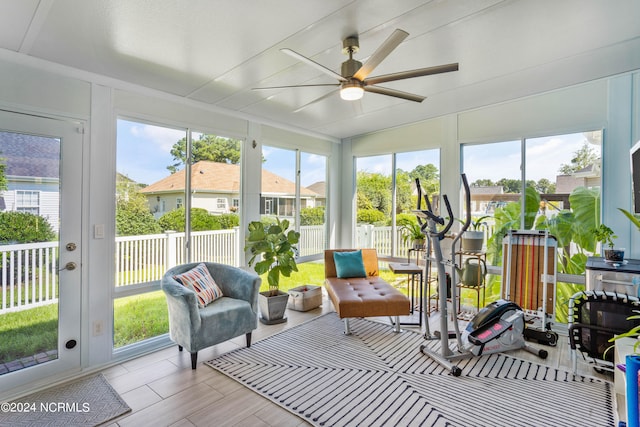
column 351, row 91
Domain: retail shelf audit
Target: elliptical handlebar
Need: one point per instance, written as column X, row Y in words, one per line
column 467, row 204
column 420, row 213
column 445, row 230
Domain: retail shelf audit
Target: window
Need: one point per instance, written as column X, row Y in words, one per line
column 266, row 206
column 151, row 219
column 299, row 198
column 552, row 170
column 142, row 158
column 313, row 202
column 379, row 214
column 28, row 201
column 561, row 178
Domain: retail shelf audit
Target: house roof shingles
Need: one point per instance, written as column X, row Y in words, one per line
column 217, row 177
column 30, row 155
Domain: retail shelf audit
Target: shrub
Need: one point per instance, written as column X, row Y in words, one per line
column 133, row 218
column 405, row 219
column 228, row 221
column 24, row 227
column 370, row 216
column 201, row 220
column 312, row 216
column 268, row 220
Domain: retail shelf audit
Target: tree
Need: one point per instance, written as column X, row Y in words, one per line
column 584, row 157
column 404, row 202
column 133, row 217
column 510, row 185
column 429, row 178
column 544, row 186
column 483, row 183
column 375, row 189
column 207, row 147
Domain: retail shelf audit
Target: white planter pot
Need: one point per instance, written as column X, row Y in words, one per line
column 472, row 241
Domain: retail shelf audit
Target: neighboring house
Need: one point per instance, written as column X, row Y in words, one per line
column 216, row 188
column 32, row 173
column 320, row 188
column 586, row 177
column 485, row 199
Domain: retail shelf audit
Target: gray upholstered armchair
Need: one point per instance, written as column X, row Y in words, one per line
column 232, row 315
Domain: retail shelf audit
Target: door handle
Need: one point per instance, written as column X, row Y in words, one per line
column 69, row 266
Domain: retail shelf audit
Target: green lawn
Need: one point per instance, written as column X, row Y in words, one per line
column 137, row 317
column 28, row 332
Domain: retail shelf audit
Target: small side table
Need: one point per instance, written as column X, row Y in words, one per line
column 415, row 272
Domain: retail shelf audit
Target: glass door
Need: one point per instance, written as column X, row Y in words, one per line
column 40, row 262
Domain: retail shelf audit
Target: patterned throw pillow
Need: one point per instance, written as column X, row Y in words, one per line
column 199, row 280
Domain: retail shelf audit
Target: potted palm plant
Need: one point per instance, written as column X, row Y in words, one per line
column 272, row 248
column 606, row 236
column 412, row 232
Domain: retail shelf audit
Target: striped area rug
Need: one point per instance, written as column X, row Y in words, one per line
column 375, row 377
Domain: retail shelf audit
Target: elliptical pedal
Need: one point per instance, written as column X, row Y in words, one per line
column 546, row 337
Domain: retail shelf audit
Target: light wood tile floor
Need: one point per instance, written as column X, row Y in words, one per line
column 163, row 390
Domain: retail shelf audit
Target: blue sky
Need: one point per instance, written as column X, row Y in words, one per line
column 544, row 156
column 143, row 155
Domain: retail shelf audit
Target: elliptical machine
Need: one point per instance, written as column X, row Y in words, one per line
column 496, row 328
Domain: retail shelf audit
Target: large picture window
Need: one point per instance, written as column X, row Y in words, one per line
column 171, row 209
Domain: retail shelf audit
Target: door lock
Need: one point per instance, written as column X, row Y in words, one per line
column 71, row 247
column 69, row 266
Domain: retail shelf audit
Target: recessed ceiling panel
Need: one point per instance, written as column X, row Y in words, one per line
column 217, row 51
column 15, row 23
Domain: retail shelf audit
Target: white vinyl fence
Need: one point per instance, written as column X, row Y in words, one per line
column 29, row 276
column 368, row 236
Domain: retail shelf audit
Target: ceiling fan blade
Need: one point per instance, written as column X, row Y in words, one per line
column 313, row 64
column 395, row 93
column 325, row 96
column 381, row 53
column 412, row 73
column 286, row 87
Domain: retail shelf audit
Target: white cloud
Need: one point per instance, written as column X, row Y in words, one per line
column 163, row 138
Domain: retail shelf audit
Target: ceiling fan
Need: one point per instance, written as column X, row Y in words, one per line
column 354, row 78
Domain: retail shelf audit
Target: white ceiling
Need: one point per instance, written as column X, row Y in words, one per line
column 216, row 51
